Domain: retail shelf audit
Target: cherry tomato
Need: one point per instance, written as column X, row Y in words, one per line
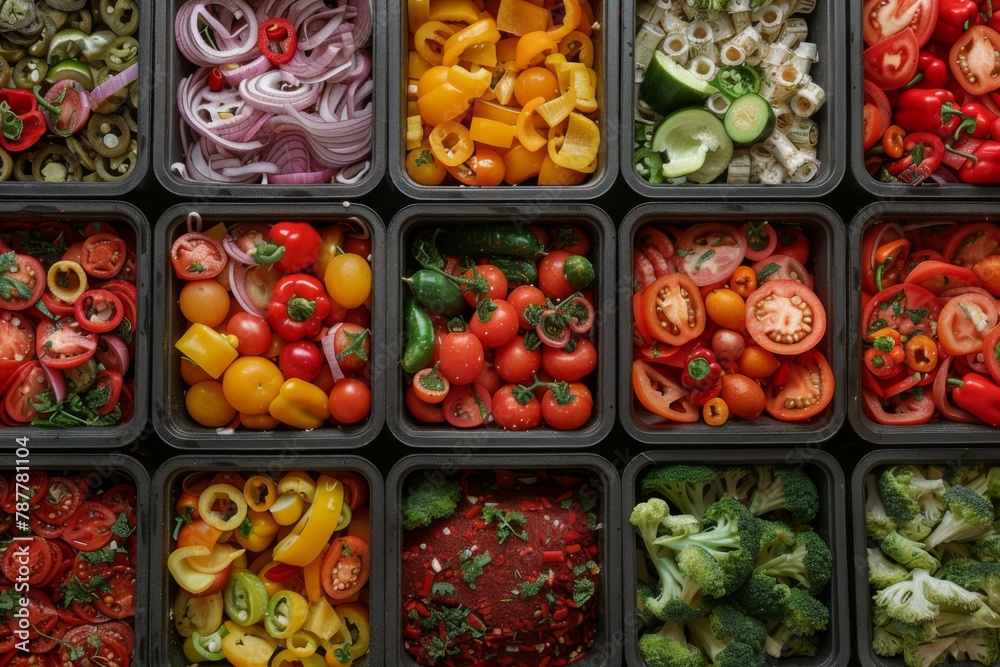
column 253, row 333
column 461, row 357
column 496, row 284
column 196, row 256
column 301, row 359
column 103, row 255
column 484, row 168
column 349, row 280
column 517, row 364
column 206, row 403
column 350, row 401
column 570, row 366
column 250, row 384
column 511, row 414
column 424, row 168
column 536, row 82
column 495, row 323
column 570, row 412
column 467, row 406
column 794, row 243
column 429, row 386
column 205, row 302
column 521, row 298
column 552, row 277
column 422, row 411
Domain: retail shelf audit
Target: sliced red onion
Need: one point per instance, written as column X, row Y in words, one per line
column 126, row 77
column 235, row 234
column 237, row 281
column 120, row 348
column 57, row 383
column 574, row 323
column 559, row 341
column 329, row 349
column 278, row 90
column 363, row 232
column 234, row 74
column 235, row 28
column 944, row 175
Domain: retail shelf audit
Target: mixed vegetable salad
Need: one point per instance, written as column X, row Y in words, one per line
column 79, row 594
column 929, row 324
column 68, row 318
column 731, row 571
column 724, row 91
column 930, row 83
column 272, row 570
column 500, row 567
column 726, row 324
column 69, row 94
column 278, row 323
column 499, row 327
column 505, row 95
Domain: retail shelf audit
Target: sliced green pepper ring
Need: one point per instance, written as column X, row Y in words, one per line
column 29, row 72
column 81, row 20
column 109, row 135
column 58, row 16
column 6, row 165
column 345, row 518
column 11, row 52
column 210, row 647
column 119, row 167
column 82, row 152
column 122, row 17
column 56, row 164
column 5, row 73
column 286, row 612
column 123, row 52
column 22, row 165
column 71, row 69
column 133, row 99
column 67, row 280
column 41, row 46
column 245, row 598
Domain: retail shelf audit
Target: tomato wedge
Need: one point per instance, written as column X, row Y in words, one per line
column 33, row 552
column 709, row 253
column 661, row 394
column 64, row 343
column 937, row 277
column 785, row 317
column 892, row 62
column 467, row 406
column 89, row 529
column 674, row 309
column 964, row 322
column 26, row 385
column 807, row 392
column 899, row 410
column 884, row 18
column 197, row 256
column 971, row 243
column 974, row 61
column 346, row 567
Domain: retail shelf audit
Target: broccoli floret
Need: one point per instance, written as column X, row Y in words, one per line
column 901, row 488
column 699, row 566
column 877, row 522
column 986, row 484
column 730, row 638
column 763, row 597
column 429, row 500
column 644, row 616
column 886, row 643
column 908, row 553
column 735, row 482
column 776, row 538
column 969, row 517
column 669, row 648
column 951, row 550
column 920, row 598
column 804, row 614
column 882, row 572
column 987, row 548
column 927, row 654
column 808, row 563
column 730, row 534
column 974, row 576
column 978, row 646
column 681, row 524
column 788, row 489
column 932, row 508
column 797, row 646
column 952, row 623
column 963, row 475
column 917, row 632
column 687, row 488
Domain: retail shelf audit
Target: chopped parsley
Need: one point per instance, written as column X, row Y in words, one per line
column 505, row 523
column 471, row 566
column 530, row 589
column 767, row 271
column 77, row 591
column 588, row 498
column 120, row 527
column 442, row 589
column 583, row 590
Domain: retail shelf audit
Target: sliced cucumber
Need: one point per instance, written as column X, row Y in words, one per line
column 668, row 87
column 749, row 119
column 695, row 143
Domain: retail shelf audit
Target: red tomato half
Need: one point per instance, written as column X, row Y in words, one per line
column 964, row 322
column 808, row 391
column 197, row 256
column 64, row 343
column 785, row 317
column 973, row 60
column 709, row 253
column 24, row 285
column 970, row 243
column 103, row 255
column 467, row 406
column 17, row 340
column 89, row 529
column 884, row 18
column 25, row 387
column 892, row 62
column 899, row 410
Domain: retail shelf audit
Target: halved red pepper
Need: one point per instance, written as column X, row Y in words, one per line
column 298, row 307
column 953, row 18
column 924, row 152
column 277, row 40
column 99, row 310
column 21, row 123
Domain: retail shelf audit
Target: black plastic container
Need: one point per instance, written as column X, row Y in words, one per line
column 137, row 175
column 172, row 66
column 862, row 592
column 122, row 215
column 596, row 184
column 941, row 430
column 828, row 30
column 101, row 470
column 402, row 231
column 606, row 651
column 830, row 524
column 170, row 416
column 167, row 645
column 827, row 263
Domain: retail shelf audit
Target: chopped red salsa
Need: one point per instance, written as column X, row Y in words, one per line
column 509, row 577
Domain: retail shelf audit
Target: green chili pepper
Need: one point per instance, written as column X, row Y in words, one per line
column 74, row 43
column 29, row 72
column 108, row 135
column 5, row 73
column 735, row 81
column 419, row 338
column 122, row 53
column 122, row 16
column 11, row 52
column 648, row 165
column 6, row 165
column 436, row 292
column 56, row 164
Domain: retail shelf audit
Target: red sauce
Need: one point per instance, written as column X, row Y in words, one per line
column 521, row 610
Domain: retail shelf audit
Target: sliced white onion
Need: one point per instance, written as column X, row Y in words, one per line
column 237, row 281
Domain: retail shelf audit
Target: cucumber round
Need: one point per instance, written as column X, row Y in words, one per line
column 695, row 143
column 667, row 86
column 749, row 119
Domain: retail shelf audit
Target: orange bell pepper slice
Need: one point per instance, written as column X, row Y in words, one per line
column 533, row 47
column 526, row 132
column 578, row 47
column 577, row 148
column 451, row 143
column 574, row 14
column 459, row 11
column 481, row 32
column 521, row 164
column 418, row 12
column 517, row 17
column 491, row 132
column 430, row 39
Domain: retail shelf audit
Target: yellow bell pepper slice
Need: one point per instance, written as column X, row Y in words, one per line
column 303, row 644
column 209, row 349
column 532, row 49
column 484, row 55
column 559, row 109
column 521, row 164
column 473, row 84
column 70, row 274
column 288, row 509
column 414, row 132
column 298, row 482
column 321, row 620
column 577, row 148
column 483, row 31
column 507, row 50
column 187, row 577
column 286, row 612
column 553, row 174
column 587, row 21
column 197, row 614
column 222, row 556
column 300, row 404
column 418, row 12
column 517, row 17
column 416, row 66
column 458, row 11
column 315, row 528
column 579, row 81
column 430, row 40
column 355, row 627
column 452, row 98
column 579, row 47
column 247, row 647
column 260, row 493
column 263, row 528
column 526, row 132
column 451, row 143
column 572, row 18
column 504, row 88
column 287, row 658
column 312, row 578
column 491, row 133
column 233, row 511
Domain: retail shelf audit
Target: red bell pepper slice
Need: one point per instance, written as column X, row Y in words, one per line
column 924, row 152
column 21, row 123
column 277, row 40
column 983, row 166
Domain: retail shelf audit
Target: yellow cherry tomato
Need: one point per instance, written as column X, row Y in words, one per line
column 193, row 373
column 207, row 405
column 251, row 383
column 536, row 82
column 205, row 302
column 349, row 280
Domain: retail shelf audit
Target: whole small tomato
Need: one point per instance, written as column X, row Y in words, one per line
column 348, row 280
column 461, row 357
column 350, row 401
column 253, row 332
column 251, row 383
column 568, row 407
column 301, row 359
column 352, row 345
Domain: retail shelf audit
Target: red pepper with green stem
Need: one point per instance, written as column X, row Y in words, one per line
column 978, row 122
column 954, row 18
column 928, row 110
column 21, row 123
column 923, row 154
column 932, row 72
column 289, row 246
column 66, row 107
column 979, row 395
column 702, row 373
column 983, row 166
column 879, row 363
column 298, row 307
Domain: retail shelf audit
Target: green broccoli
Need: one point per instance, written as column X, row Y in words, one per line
column 730, row 638
column 735, row 482
column 986, row 484
column 804, row 614
column 926, row 654
column 776, row 538
column 685, row 487
column 964, row 474
column 877, row 522
column 908, row 553
column 987, row 548
column 730, row 534
column 920, row 598
column 669, row 648
column 886, row 643
column 932, row 509
column 974, row 576
column 425, row 502
column 969, row 517
column 699, row 566
column 763, row 597
column 787, row 645
column 882, row 572
column 644, row 616
column 951, row 550
column 952, row 623
column 901, row 487
column 808, row 563
column 977, row 645
column 788, row 489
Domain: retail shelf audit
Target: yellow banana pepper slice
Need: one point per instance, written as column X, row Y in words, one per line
column 315, row 528
column 577, row 148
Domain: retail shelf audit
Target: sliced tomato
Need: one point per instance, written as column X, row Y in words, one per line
column 98, row 310
column 884, row 18
column 121, row 498
column 807, row 392
column 428, row 413
column 991, row 353
column 467, row 406
column 17, row 340
column 974, row 61
column 761, row 239
column 197, row 256
column 22, row 287
column 674, row 309
column 27, row 384
column 937, row 277
column 32, row 552
column 781, row 267
column 661, row 394
column 31, row 492
column 899, row 410
column 964, row 322
column 103, row 255
column 346, row 567
column 916, row 258
column 84, row 645
column 64, row 343
column 873, row 128
column 111, row 382
column 61, row 500
column 89, row 529
column 42, row 528
column 709, row 253
column 892, row 62
column 874, row 96
column 785, row 317
column 56, row 306
column 905, row 308
column 971, row 243
column 120, row 602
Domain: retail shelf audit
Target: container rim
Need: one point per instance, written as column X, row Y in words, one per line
column 490, row 437
column 756, row 432
column 203, row 438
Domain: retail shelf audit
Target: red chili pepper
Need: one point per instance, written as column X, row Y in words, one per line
column 954, row 17
column 983, row 166
column 290, row 246
column 277, row 40
column 924, row 152
column 979, row 121
column 553, row 557
column 428, row 583
column 928, row 110
column 702, row 396
column 979, row 395
column 298, row 307
column 995, row 129
column 21, row 123
column 215, row 80
column 701, row 370
column 879, row 363
column 932, row 72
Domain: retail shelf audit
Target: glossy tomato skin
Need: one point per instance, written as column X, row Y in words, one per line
column 892, row 62
column 350, row 401
column 515, row 363
column 570, row 366
column 552, row 278
column 461, row 357
column 807, row 392
column 467, row 406
column 510, row 414
column 64, row 343
column 495, row 323
column 785, row 317
column 301, row 359
column 884, row 18
column 572, row 414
